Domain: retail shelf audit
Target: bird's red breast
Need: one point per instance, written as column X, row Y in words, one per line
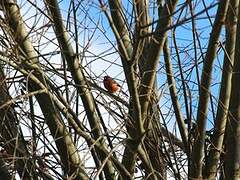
column 111, row 85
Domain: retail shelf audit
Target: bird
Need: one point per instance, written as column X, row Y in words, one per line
column 111, row 85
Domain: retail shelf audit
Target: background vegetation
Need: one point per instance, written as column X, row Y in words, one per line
column 177, row 61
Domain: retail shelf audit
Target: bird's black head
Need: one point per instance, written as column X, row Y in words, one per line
column 107, row 77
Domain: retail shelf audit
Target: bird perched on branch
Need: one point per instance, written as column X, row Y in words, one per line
column 111, row 85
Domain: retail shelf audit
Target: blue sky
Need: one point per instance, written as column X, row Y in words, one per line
column 100, row 43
